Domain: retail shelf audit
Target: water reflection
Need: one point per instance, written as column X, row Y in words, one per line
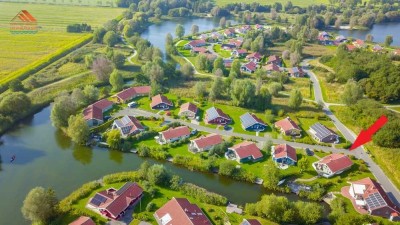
column 62, row 141
column 82, row 154
column 116, row 156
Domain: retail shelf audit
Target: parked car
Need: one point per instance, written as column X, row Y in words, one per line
column 132, row 104
column 226, row 127
column 106, row 118
column 194, row 132
column 309, row 152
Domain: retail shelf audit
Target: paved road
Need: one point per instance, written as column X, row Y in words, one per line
column 389, row 187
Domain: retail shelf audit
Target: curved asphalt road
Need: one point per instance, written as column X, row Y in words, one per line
column 360, row 153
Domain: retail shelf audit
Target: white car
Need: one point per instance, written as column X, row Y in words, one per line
column 132, row 104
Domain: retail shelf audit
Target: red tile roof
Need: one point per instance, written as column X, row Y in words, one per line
column 158, row 99
column 336, row 162
column 272, row 67
column 83, row 220
column 188, row 106
column 285, row 150
column 237, row 43
column 131, row 92
column 200, row 49
column 255, row 55
column 396, row 52
column 241, row 51
column 274, row 59
column 209, row 140
column 359, row 42
column 196, row 43
column 179, row 211
column 287, row 124
column 118, row 200
column 252, row 66
column 351, row 47
column 372, row 187
column 246, row 149
column 176, row 132
column 95, row 110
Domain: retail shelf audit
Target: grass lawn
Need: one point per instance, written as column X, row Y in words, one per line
column 396, row 109
column 221, row 52
column 331, row 92
column 317, row 50
column 19, row 51
column 302, row 84
column 295, row 2
column 387, row 158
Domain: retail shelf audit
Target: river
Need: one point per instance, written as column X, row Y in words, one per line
column 378, row 31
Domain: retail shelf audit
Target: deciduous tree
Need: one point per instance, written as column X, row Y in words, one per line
column 114, row 139
column 352, row 93
column 102, row 68
column 116, row 81
column 179, row 31
column 78, row 130
column 39, row 205
column 295, row 99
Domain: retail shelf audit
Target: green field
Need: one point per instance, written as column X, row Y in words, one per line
column 24, row 50
column 263, row 2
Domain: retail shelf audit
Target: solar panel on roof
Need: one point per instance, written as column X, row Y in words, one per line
column 123, row 188
column 97, row 200
column 375, row 201
column 247, row 120
column 321, row 131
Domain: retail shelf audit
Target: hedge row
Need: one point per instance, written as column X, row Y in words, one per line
column 65, row 205
column 121, row 177
column 47, row 60
column 203, row 195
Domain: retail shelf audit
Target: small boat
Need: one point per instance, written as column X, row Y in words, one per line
column 12, row 158
column 281, row 182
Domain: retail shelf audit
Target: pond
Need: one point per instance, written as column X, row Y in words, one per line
column 378, row 31
column 157, row 33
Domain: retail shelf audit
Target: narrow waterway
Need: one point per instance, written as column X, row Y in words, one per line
column 45, row 157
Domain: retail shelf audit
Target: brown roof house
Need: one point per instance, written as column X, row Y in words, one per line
column 128, row 126
column 288, row 127
column 332, row 164
column 173, row 134
column 132, row 92
column 249, row 67
column 369, row 195
column 160, row 102
column 250, row 222
column 113, row 203
column 179, row 211
column 93, row 114
column 205, row 143
column 188, row 110
column 83, row 220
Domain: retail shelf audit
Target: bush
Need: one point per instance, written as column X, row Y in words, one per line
column 121, row 177
column 156, row 152
column 65, row 205
column 150, row 207
column 203, row 195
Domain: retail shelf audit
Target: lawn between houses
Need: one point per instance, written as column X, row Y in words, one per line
column 163, row 195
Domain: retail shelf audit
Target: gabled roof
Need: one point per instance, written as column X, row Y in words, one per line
column 180, row 211
column 249, row 119
column 195, row 43
column 359, row 42
column 375, row 197
column 158, row 99
column 95, row 110
column 128, row 124
column 321, row 131
column 255, row 55
column 246, row 149
column 287, row 124
column 83, row 220
column 241, row 51
column 188, row 106
column 252, row 66
column 336, row 162
column 117, row 201
column 274, row 59
column 285, row 151
column 131, row 92
column 377, row 48
column 209, row 140
column 236, row 43
column 213, row 113
column 200, row 49
column 176, row 132
column 272, row 67
column 250, row 222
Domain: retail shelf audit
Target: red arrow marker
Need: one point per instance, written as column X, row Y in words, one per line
column 366, row 135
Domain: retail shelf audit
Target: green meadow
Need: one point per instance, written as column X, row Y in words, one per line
column 19, row 52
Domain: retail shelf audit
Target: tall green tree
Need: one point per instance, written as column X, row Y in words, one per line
column 235, row 67
column 98, row 35
column 309, row 212
column 195, row 29
column 352, row 93
column 78, row 130
column 303, row 164
column 222, row 22
column 116, row 81
column 295, row 99
column 118, row 59
column 243, row 92
column 215, row 92
column 111, row 38
column 158, row 175
column 200, row 90
column 39, row 205
column 114, row 139
column 14, row 104
column 388, row 40
column 91, row 93
column 102, row 68
column 179, row 31
column 63, row 108
column 272, row 175
column 219, row 64
column 187, row 71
